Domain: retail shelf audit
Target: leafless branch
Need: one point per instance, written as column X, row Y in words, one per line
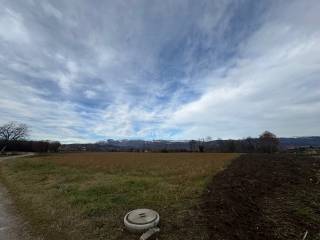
column 13, row 131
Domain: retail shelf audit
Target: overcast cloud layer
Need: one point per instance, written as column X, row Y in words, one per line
column 79, row 71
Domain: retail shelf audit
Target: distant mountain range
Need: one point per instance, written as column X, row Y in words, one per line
column 184, row 145
column 300, row 142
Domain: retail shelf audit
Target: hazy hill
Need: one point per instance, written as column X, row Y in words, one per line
column 184, row 145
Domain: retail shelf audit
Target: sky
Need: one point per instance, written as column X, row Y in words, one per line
column 85, row 71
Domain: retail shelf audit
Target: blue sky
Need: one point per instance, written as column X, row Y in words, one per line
column 83, row 71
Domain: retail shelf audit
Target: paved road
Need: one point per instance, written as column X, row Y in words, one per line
column 12, row 227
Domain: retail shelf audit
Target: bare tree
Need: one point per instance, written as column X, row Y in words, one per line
column 268, row 142
column 208, row 139
column 192, row 145
column 13, row 131
column 54, row 146
column 250, row 145
column 201, row 145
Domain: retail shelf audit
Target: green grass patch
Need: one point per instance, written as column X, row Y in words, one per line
column 85, row 196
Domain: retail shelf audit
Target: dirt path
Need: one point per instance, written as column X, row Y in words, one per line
column 16, row 156
column 12, row 227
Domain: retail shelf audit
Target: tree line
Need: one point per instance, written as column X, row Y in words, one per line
column 13, row 138
column 267, row 142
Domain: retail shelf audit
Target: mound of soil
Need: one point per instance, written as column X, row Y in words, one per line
column 275, row 196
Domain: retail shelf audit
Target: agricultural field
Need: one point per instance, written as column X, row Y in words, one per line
column 86, row 195
column 265, row 196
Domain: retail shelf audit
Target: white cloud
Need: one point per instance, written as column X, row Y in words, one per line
column 51, row 10
column 90, row 94
column 12, row 28
column 162, row 70
column 267, row 88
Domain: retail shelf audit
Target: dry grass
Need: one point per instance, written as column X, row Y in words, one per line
column 85, row 195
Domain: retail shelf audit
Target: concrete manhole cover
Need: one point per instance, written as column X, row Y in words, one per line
column 140, row 220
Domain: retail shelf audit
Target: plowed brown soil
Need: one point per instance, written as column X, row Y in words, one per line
column 265, row 197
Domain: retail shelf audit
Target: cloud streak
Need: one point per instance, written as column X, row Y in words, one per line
column 86, row 71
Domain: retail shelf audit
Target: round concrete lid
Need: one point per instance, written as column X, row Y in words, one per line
column 142, row 216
